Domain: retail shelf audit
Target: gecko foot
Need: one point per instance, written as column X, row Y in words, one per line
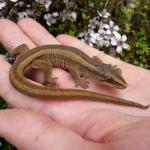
column 82, row 82
column 51, row 83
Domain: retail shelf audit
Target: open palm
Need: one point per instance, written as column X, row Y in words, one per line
column 71, row 124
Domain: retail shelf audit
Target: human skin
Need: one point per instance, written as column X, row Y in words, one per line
column 71, row 124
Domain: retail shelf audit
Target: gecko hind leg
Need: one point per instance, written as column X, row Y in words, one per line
column 46, row 66
column 21, row 49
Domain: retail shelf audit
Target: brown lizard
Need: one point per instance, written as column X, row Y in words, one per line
column 79, row 65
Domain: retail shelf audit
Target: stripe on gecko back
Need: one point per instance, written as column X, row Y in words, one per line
column 77, row 56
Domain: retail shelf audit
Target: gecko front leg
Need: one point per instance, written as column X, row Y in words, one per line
column 80, row 76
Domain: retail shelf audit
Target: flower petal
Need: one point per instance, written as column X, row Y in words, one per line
column 92, row 40
column 107, row 14
column 106, row 26
column 119, row 49
column 14, row 1
column 107, row 43
column 125, row 46
column 117, row 35
column 100, row 14
column 55, row 14
column 111, row 23
column 81, row 34
column 124, row 38
column 116, row 27
column 91, row 44
column 2, row 5
column 101, row 31
column 92, row 34
column 108, row 32
column 113, row 41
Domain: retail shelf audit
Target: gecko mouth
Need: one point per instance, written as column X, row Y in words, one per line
column 119, row 85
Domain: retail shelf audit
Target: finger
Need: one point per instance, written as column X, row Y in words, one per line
column 38, row 132
column 135, row 135
column 133, row 75
column 38, row 34
column 11, row 36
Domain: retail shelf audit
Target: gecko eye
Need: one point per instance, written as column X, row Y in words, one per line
column 119, row 71
column 103, row 79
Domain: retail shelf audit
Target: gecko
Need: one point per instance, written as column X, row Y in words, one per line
column 77, row 63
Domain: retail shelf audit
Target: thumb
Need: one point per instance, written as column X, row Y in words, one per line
column 30, row 130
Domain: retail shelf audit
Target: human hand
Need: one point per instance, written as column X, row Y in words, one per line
column 86, row 124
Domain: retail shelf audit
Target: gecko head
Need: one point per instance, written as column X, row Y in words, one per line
column 111, row 76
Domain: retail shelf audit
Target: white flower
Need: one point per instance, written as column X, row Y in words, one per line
column 30, row 12
column 119, row 41
column 14, row 1
column 90, row 44
column 107, row 43
column 91, row 4
column 51, row 18
column 93, row 23
column 104, row 14
column 131, row 5
column 2, row 5
column 111, row 28
column 22, row 14
column 101, row 25
column 82, row 34
column 7, row 58
column 94, row 37
column 73, row 16
column 103, row 34
column 99, row 40
column 55, row 14
column 64, row 15
column 47, row 4
column 66, row 1
column 20, row 4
